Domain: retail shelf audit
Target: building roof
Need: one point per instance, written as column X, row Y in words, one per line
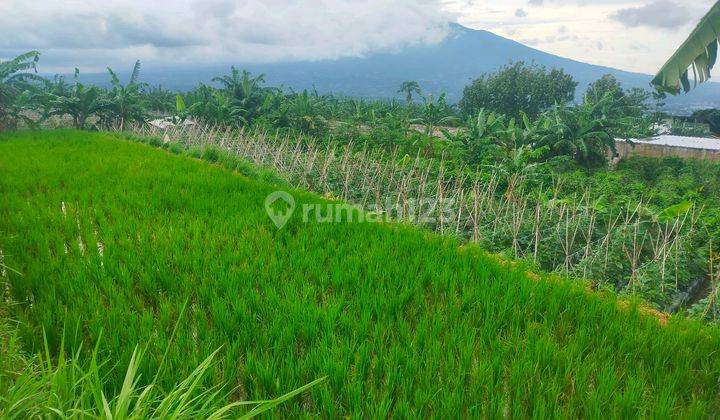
column 682, row 141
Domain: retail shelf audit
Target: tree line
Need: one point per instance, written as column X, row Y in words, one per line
column 519, row 109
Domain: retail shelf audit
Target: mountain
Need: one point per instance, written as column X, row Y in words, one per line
column 445, row 67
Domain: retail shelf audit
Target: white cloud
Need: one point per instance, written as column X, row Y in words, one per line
column 659, row 13
column 92, row 35
column 578, row 28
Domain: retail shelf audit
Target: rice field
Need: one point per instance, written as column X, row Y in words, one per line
column 565, row 227
column 109, row 240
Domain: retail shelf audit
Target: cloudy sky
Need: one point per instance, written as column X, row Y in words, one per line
column 91, row 34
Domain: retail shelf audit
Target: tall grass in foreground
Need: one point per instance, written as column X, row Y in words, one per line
column 114, row 237
column 47, row 386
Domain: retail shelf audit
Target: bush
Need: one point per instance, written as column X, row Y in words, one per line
column 211, row 154
column 690, row 129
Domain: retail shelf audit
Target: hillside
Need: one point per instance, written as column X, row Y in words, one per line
column 113, row 237
column 446, row 67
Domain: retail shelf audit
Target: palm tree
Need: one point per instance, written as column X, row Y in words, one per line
column 408, row 88
column 13, row 77
column 698, row 53
column 125, row 102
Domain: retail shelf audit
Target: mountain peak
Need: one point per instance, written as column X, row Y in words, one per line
column 447, row 66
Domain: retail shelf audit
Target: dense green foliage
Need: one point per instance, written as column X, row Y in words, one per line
column 402, row 322
column 516, row 88
column 681, row 127
column 711, row 117
column 632, row 103
column 671, row 195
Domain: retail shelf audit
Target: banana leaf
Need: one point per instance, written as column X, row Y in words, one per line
column 696, row 56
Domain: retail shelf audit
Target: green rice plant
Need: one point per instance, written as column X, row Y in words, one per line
column 175, row 147
column 572, row 230
column 75, row 387
column 114, row 237
column 72, row 388
column 211, row 154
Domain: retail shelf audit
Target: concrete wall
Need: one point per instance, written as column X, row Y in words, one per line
column 658, row 150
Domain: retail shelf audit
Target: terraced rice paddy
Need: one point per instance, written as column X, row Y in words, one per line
column 114, row 238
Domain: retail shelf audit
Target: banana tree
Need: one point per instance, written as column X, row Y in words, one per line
column 80, row 103
column 13, row 77
column 245, row 91
column 697, row 55
column 125, row 102
column 51, row 89
column 435, row 114
column 213, row 107
column 582, row 132
column 587, row 131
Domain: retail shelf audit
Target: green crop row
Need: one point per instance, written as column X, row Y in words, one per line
column 113, row 237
